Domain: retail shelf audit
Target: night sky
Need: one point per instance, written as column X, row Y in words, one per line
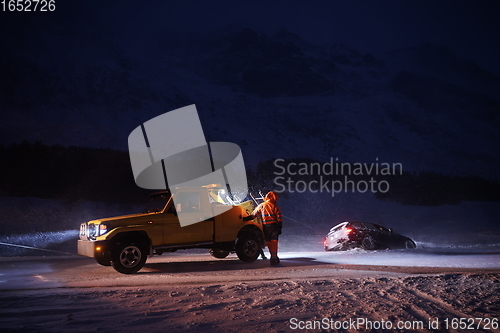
column 42, row 50
column 469, row 28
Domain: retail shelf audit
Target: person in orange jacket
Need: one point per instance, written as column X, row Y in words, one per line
column 272, row 223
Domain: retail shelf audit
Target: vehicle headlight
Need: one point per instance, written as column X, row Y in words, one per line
column 91, row 231
column 96, row 230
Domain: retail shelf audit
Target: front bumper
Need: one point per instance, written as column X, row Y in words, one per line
column 90, row 248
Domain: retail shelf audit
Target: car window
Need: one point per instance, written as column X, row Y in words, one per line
column 358, row 225
column 337, row 228
column 156, row 203
column 188, row 202
column 381, row 228
column 370, row 226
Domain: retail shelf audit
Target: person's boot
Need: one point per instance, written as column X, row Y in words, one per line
column 273, row 249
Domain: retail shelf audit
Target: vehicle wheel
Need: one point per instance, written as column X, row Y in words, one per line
column 409, row 244
column 128, row 259
column 248, row 247
column 368, row 243
column 219, row 253
column 102, row 260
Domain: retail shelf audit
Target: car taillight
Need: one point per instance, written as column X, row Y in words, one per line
column 348, row 230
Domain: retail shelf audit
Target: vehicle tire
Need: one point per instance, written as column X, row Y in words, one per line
column 248, row 247
column 368, row 243
column 128, row 258
column 409, row 244
column 102, row 260
column 218, row 253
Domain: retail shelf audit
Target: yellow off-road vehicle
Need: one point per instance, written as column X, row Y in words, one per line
column 124, row 242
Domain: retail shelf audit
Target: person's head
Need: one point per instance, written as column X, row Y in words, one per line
column 271, row 196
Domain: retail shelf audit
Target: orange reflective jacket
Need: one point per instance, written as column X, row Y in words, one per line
column 268, row 210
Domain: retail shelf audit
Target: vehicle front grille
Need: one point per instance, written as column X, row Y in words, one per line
column 83, row 231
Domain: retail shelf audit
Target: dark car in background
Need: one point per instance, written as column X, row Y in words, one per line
column 369, row 236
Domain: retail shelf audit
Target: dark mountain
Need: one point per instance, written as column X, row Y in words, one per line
column 277, row 96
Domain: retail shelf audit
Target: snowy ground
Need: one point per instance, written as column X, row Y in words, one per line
column 197, row 293
column 454, row 273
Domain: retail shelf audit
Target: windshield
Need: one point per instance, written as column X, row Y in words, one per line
column 156, row 204
column 381, row 228
column 219, row 196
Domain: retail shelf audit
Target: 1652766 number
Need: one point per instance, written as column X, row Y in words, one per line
column 28, row 5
